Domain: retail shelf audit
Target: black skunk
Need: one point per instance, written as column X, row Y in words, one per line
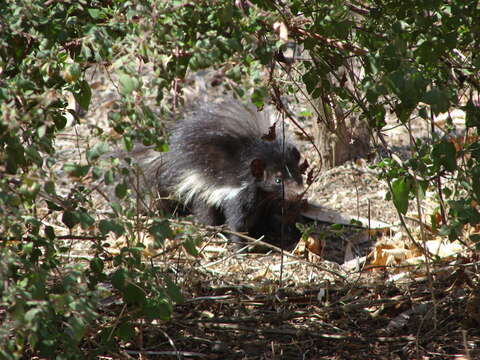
column 222, row 166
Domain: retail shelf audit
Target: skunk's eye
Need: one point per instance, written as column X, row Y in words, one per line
column 278, row 180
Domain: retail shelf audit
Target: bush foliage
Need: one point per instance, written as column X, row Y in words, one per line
column 417, row 59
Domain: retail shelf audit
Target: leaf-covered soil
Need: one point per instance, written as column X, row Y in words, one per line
column 300, row 305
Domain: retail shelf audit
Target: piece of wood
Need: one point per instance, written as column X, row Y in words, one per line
column 320, row 213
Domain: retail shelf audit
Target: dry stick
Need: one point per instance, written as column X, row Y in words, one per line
column 438, row 179
column 357, row 197
column 79, row 237
column 369, row 228
column 359, row 10
column 429, row 275
column 282, row 225
column 305, row 333
column 117, row 321
column 282, row 228
column 425, row 251
column 137, row 203
column 175, row 81
column 170, row 340
column 330, row 42
column 465, row 345
column 424, row 239
column 210, row 298
column 179, row 354
column 282, row 10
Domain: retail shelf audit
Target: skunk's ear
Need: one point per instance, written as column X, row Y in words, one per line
column 257, row 167
column 295, row 154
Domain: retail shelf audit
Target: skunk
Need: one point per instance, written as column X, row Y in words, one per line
column 227, row 166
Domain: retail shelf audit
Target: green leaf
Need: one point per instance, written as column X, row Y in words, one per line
column 49, row 187
column 160, row 309
column 121, row 190
column 97, row 173
column 85, row 219
column 476, row 182
column 125, row 331
column 70, row 219
column 119, row 279
column 41, row 131
column 96, row 14
column 311, row 80
column 127, row 84
column 409, row 84
column 116, row 207
column 28, row 248
column 60, row 120
column 106, row 226
column 108, row 177
column 133, row 294
column 52, row 206
column 444, row 154
column 97, row 265
column 77, row 327
column 472, row 116
column 258, row 97
column 438, row 99
column 422, row 189
column 400, row 191
column 422, row 112
column 83, row 95
column 127, row 143
column 49, row 232
column 30, row 188
column 190, row 246
column 72, row 72
column 97, row 150
column 76, row 170
column 173, row 291
column 160, row 230
column 475, row 238
column 31, row 314
column 15, row 156
column 34, row 155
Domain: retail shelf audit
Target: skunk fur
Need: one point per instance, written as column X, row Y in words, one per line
column 222, row 167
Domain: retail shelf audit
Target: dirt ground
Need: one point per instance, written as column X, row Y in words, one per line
column 303, row 306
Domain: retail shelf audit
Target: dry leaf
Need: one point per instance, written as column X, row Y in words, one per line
column 314, row 245
column 282, row 30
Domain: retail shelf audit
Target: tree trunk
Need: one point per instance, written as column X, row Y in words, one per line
column 338, row 137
